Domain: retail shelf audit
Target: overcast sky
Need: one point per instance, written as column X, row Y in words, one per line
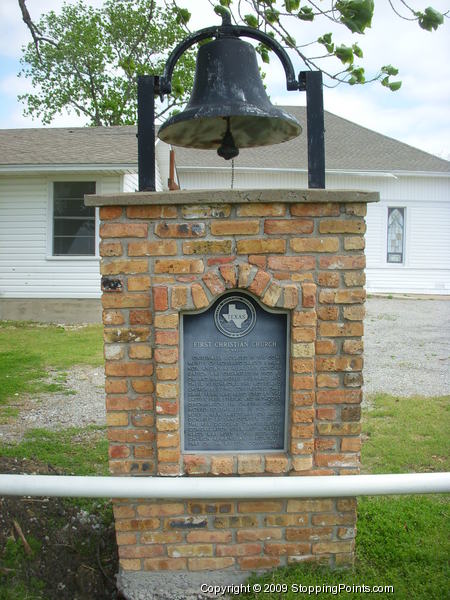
column 418, row 114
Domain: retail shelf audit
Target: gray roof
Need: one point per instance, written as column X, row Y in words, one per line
column 69, row 146
column 348, row 147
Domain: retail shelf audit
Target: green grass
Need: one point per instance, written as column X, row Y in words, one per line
column 402, row 541
column 28, row 350
column 75, row 451
column 406, row 435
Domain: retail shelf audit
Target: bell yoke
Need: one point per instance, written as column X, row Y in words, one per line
column 229, row 108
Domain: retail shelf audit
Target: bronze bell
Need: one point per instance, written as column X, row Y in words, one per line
column 229, row 108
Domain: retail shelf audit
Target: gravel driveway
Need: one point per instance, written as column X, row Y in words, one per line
column 407, row 351
column 407, row 347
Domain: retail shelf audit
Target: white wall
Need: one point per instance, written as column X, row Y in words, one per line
column 26, row 268
column 426, row 269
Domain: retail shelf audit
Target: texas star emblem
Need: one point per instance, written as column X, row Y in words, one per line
column 235, row 316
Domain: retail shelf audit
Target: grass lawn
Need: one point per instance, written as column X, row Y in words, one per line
column 402, row 541
column 28, row 350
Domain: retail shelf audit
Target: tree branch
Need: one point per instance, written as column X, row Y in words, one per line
column 35, row 32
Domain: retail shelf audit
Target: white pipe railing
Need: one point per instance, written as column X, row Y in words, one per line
column 223, row 487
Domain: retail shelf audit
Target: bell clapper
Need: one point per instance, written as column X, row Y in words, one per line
column 227, row 148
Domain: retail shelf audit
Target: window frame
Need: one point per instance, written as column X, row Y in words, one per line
column 50, row 220
column 389, row 209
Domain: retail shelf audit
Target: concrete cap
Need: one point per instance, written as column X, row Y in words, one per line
column 294, row 196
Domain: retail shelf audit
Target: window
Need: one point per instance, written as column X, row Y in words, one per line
column 395, row 235
column 73, row 222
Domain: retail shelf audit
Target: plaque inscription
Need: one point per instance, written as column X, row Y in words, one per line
column 234, row 377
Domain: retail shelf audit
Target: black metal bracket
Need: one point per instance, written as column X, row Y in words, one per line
column 151, row 85
column 226, row 30
column 311, row 82
column 146, row 132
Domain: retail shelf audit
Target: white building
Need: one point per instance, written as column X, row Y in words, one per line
column 49, row 240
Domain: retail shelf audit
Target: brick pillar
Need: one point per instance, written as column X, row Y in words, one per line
column 163, row 253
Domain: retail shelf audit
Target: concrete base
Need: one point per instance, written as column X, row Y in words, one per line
column 181, row 585
column 51, row 310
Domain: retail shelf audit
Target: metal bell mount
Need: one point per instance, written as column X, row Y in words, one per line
column 229, row 108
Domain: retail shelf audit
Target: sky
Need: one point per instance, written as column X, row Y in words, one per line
column 418, row 114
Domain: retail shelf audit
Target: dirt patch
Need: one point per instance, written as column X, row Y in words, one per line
column 74, row 554
column 80, row 402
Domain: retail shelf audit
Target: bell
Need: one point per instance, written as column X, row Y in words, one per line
column 229, row 108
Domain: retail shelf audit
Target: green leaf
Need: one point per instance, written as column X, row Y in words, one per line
column 358, row 74
column 356, row 15
column 357, row 51
column 251, row 21
column 325, row 40
column 344, row 54
column 183, row 16
column 395, row 85
column 389, row 70
column 221, row 11
column 305, row 14
column 291, row 5
column 430, row 19
column 291, row 41
column 225, row 3
column 272, row 15
column 263, row 51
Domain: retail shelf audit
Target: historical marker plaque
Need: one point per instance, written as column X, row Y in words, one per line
column 234, row 377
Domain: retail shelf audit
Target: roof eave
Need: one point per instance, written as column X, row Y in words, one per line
column 72, row 168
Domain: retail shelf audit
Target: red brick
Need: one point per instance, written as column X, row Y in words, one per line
column 261, row 246
column 326, row 347
column 314, row 244
column 326, row 380
column 165, row 564
column 166, row 355
column 208, row 247
column 214, row 537
column 251, row 563
column 116, row 386
column 125, row 403
column 179, row 265
column 271, row 209
column 160, row 298
column 326, row 414
column 199, row 296
column 213, row 283
column 283, row 549
column 119, row 230
column 342, row 262
column 342, row 226
column 353, row 346
column 338, row 396
column 158, row 248
column 328, row 329
column 128, row 369
column 235, row 227
column 238, row 550
column 140, row 317
column 309, row 295
column 142, row 386
column 327, row 279
column 116, row 267
column 126, row 301
column 282, row 226
column 228, row 273
column 292, row 263
column 259, row 283
column 208, row 564
column 315, row 209
column 109, row 213
column 111, row 249
column 166, row 338
column 180, row 230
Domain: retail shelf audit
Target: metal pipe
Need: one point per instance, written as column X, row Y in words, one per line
column 224, row 487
